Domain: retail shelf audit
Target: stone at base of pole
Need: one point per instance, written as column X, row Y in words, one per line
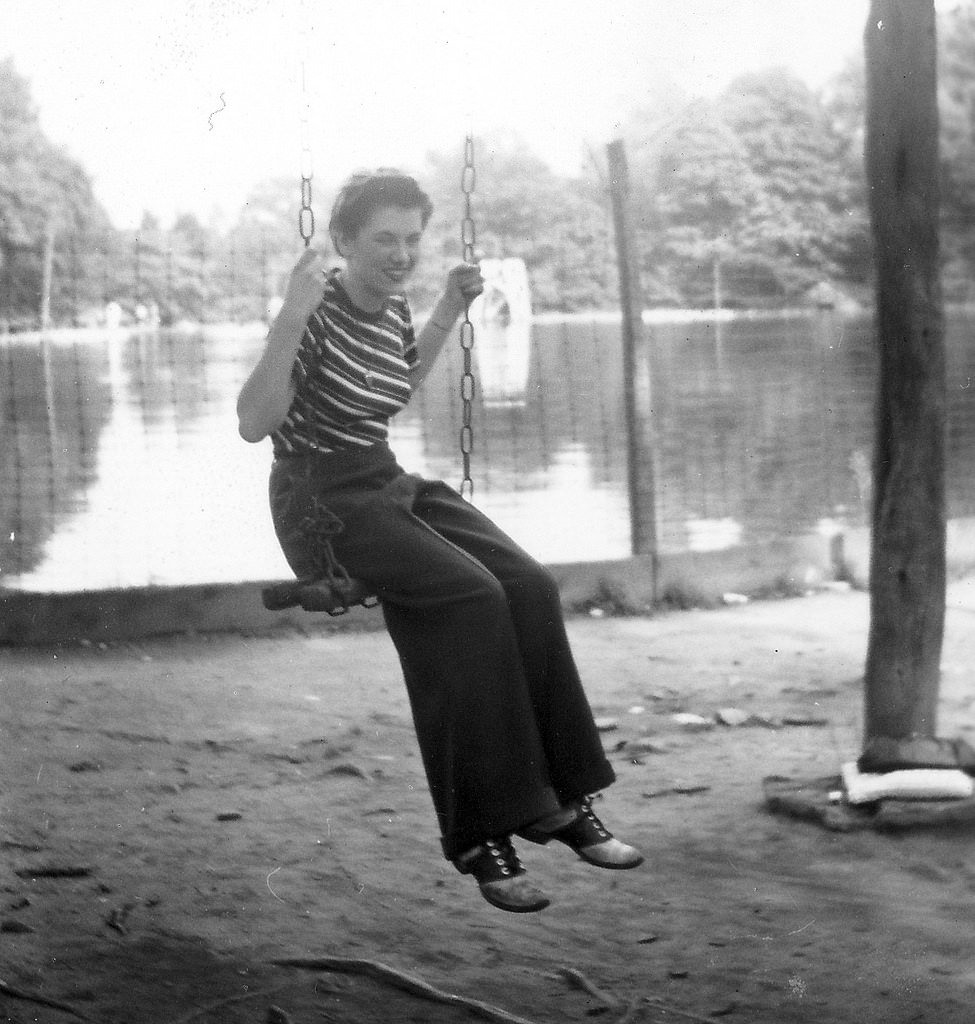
column 820, row 800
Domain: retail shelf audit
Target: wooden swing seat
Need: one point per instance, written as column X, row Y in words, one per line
column 333, row 596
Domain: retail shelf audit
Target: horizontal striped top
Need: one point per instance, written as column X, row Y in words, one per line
column 351, row 373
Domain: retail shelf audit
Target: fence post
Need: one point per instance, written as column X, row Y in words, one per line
column 48, row 276
column 636, row 369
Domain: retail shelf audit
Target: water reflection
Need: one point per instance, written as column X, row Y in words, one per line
column 50, row 438
column 122, row 465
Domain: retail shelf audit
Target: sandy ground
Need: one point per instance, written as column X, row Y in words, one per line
column 177, row 814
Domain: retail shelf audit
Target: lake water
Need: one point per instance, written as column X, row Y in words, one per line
column 121, row 463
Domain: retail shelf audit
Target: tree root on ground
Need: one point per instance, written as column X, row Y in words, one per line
column 578, row 980
column 202, row 1011
column 406, row 982
column 631, row 1011
column 36, row 997
column 415, row 986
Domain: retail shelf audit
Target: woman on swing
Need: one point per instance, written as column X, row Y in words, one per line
column 505, row 731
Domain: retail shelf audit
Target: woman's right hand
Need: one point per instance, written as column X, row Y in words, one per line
column 306, row 286
column 268, row 392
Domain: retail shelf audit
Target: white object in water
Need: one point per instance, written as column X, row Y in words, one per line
column 502, row 318
column 113, row 315
column 905, row 784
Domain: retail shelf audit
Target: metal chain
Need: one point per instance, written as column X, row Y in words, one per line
column 306, row 216
column 468, row 236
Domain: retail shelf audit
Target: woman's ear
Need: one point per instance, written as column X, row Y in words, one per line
column 339, row 243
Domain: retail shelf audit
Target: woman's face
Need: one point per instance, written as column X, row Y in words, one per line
column 381, row 257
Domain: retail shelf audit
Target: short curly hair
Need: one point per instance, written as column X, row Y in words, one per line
column 367, row 191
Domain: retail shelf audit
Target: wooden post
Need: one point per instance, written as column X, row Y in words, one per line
column 48, row 276
column 636, row 368
column 45, row 314
column 907, row 576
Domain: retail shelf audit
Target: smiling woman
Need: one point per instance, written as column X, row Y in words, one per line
column 376, row 226
column 380, row 244
column 381, row 256
column 506, row 732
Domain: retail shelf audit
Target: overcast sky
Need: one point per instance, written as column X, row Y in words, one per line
column 182, row 105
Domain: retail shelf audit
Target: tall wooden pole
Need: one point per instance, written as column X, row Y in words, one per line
column 636, row 368
column 907, row 577
column 47, row 276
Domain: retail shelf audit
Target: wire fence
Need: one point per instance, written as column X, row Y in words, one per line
column 147, row 277
column 196, row 275
column 121, row 465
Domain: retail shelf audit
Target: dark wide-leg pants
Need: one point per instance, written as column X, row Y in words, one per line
column 504, row 727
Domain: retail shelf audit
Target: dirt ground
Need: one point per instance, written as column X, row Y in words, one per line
column 177, row 814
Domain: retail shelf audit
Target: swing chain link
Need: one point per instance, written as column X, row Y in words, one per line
column 468, row 235
column 306, row 216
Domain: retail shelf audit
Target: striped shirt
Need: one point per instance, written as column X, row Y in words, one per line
column 351, row 373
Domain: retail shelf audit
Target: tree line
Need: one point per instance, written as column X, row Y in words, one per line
column 755, row 197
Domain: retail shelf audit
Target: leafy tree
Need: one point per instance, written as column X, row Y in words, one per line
column 956, row 102
column 757, row 191
column 191, row 291
column 42, row 190
column 267, row 240
column 845, row 105
column 694, row 196
column 522, row 208
column 764, row 183
column 796, row 232
column 584, row 273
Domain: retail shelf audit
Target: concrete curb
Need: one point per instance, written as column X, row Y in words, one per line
column 684, row 579
column 853, row 558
